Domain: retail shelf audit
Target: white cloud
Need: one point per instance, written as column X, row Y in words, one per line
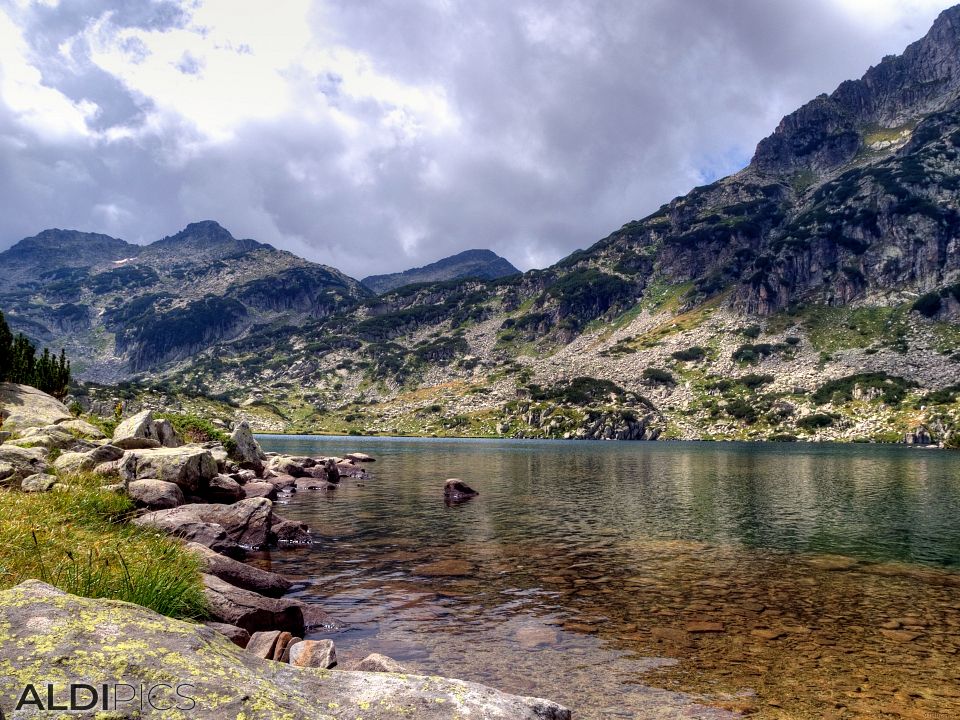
column 41, row 109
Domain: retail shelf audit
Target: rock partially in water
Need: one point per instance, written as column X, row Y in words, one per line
column 105, row 641
column 360, row 457
column 240, row 574
column 455, row 491
column 249, row 610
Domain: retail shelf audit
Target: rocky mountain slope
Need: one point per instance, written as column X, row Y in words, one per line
column 814, row 294
column 120, row 308
column 482, row 264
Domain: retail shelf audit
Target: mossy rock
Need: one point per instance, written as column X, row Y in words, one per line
column 48, row 636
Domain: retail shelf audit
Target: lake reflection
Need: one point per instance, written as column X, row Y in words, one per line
column 596, row 573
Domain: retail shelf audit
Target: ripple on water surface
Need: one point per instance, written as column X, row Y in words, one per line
column 649, row 580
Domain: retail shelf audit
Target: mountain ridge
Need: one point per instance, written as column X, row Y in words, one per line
column 813, row 294
column 478, row 263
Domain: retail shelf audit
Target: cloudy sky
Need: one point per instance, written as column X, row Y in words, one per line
column 374, row 135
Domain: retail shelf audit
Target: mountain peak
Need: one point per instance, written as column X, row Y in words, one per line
column 74, row 247
column 828, row 131
column 477, row 263
column 205, row 236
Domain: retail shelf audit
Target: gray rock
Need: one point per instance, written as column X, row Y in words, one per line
column 238, row 636
column 455, row 490
column 260, row 490
column 191, row 529
column 224, row 489
column 191, row 467
column 51, row 437
column 63, row 627
column 163, row 431
column 360, row 457
column 249, row 610
column 155, row 494
column 314, row 653
column 290, row 532
column 379, row 663
column 246, row 523
column 24, row 461
column 83, row 428
column 40, row 482
column 22, row 407
column 240, row 574
column 136, row 432
column 245, row 449
column 74, row 462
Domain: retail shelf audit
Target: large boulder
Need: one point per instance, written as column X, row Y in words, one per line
column 240, row 574
column 137, row 431
column 314, row 653
column 191, row 467
column 245, row 449
column 18, row 462
column 457, row 491
column 246, row 523
column 22, row 407
column 47, row 634
column 155, row 494
column 224, row 489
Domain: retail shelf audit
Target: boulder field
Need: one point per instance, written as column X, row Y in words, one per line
column 218, row 499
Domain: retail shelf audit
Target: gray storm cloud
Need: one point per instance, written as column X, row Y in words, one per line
column 375, row 136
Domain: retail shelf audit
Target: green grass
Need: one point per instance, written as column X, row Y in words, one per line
column 193, row 428
column 79, row 541
column 839, row 328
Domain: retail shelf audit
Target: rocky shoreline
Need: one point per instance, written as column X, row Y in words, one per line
column 218, row 499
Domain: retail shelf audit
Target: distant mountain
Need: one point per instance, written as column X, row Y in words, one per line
column 482, row 264
column 121, row 308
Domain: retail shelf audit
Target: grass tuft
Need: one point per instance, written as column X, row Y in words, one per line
column 78, row 540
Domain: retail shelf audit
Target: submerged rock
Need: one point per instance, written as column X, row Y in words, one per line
column 106, row 641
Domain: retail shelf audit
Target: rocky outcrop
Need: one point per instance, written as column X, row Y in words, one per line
column 45, row 633
column 22, row 407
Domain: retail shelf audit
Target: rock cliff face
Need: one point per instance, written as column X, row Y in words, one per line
column 483, row 264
